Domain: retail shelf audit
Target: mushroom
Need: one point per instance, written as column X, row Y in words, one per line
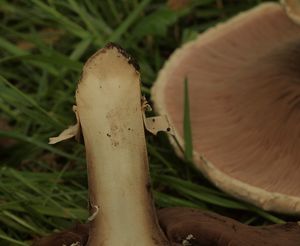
column 110, row 113
column 244, row 83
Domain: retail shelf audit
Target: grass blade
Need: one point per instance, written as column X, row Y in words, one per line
column 24, row 99
column 116, row 35
column 8, row 239
column 187, row 128
column 39, row 144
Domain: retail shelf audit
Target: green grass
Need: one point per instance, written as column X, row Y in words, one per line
column 43, row 45
column 187, row 131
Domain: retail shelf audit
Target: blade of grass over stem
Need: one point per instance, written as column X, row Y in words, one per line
column 187, row 128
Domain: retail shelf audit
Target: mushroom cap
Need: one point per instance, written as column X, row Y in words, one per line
column 292, row 9
column 244, row 93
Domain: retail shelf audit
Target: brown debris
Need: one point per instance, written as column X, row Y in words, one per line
column 186, row 226
column 208, row 229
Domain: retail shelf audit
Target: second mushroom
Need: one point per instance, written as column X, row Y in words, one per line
column 244, row 82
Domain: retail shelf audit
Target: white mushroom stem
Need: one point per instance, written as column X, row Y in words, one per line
column 110, row 112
